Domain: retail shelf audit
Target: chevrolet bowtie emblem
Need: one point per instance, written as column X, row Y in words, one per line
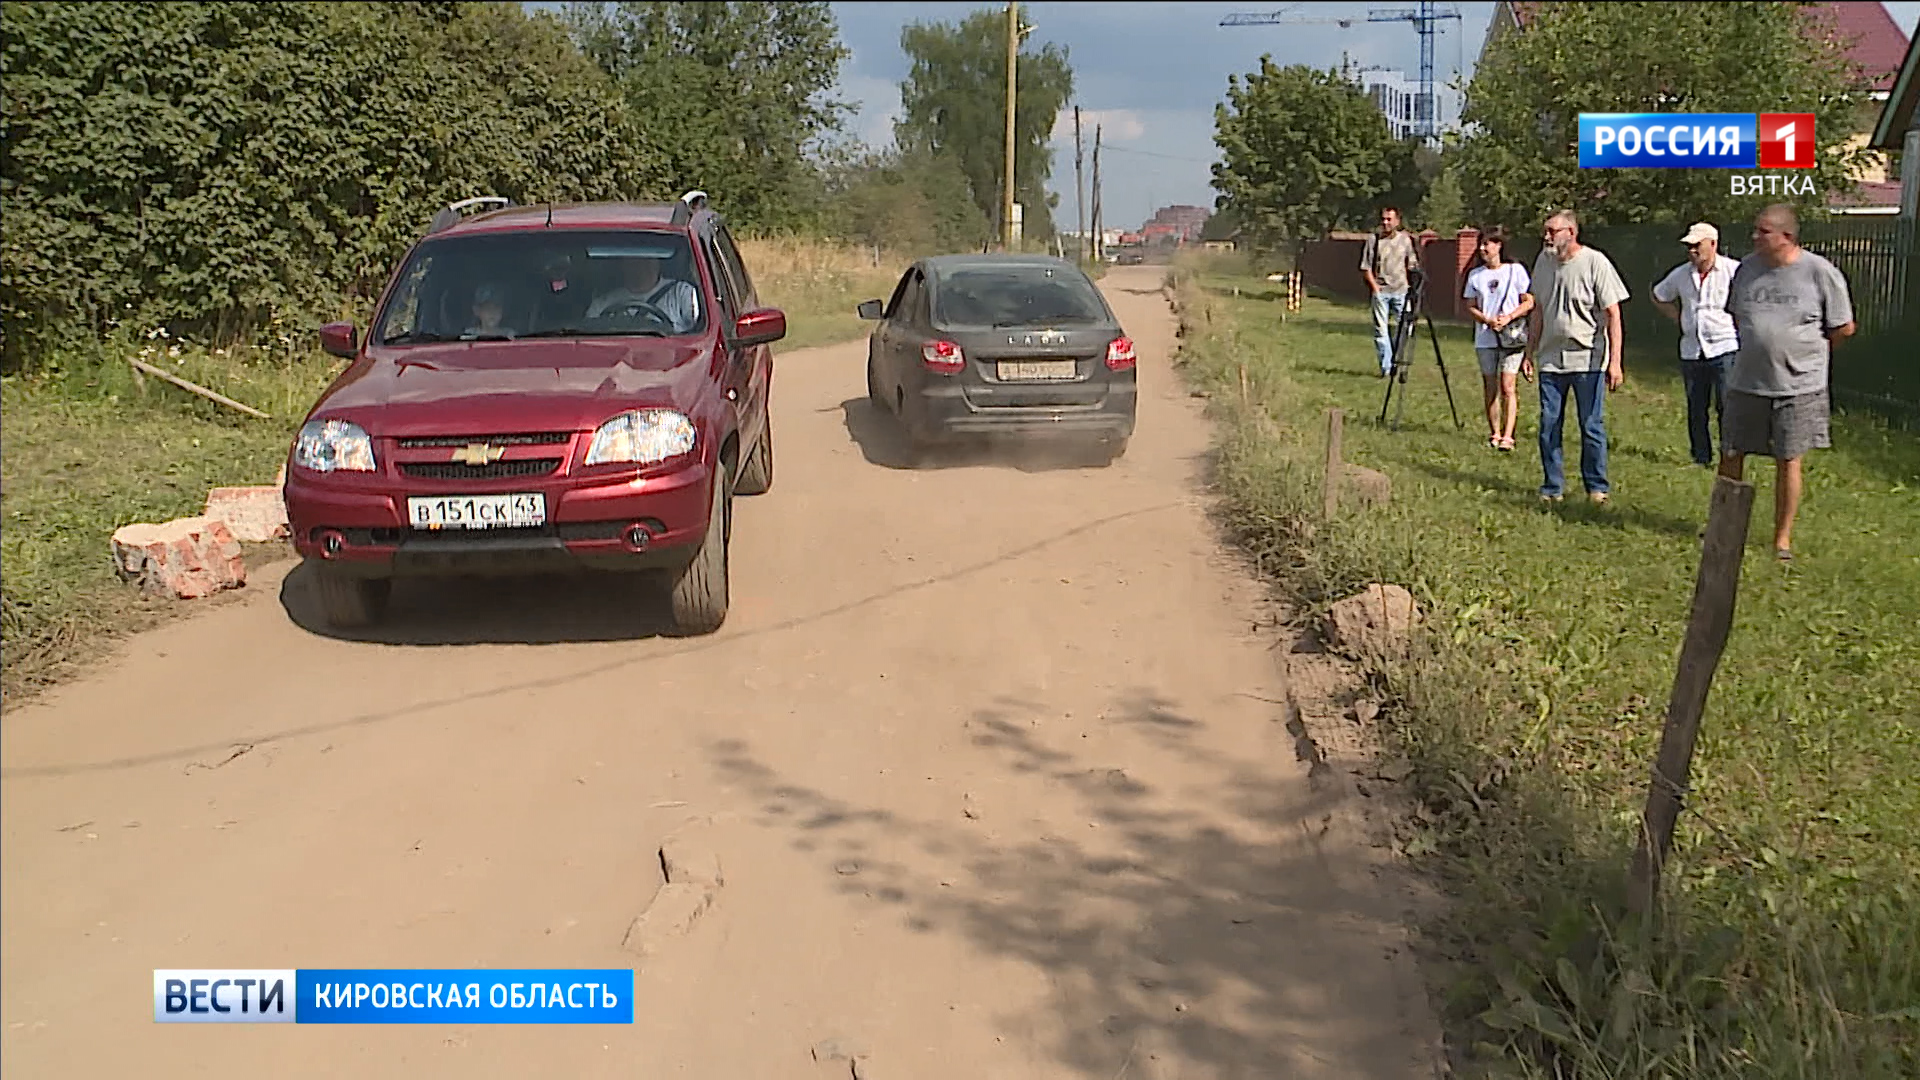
column 478, row 454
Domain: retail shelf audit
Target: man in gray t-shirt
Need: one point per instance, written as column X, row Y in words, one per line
column 1790, row 307
column 1573, row 336
column 1385, row 261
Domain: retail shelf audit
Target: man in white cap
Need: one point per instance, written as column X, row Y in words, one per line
column 1694, row 294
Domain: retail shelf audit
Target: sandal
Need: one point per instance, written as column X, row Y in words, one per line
column 1505, row 445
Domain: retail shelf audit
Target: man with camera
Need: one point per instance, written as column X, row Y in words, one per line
column 1390, row 257
column 1574, row 339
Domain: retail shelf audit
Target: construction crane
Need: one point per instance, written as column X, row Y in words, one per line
column 1426, row 19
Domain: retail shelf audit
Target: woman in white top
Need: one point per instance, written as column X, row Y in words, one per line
column 1499, row 295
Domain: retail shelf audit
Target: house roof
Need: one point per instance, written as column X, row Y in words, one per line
column 1875, row 43
column 1872, row 193
column 1898, row 115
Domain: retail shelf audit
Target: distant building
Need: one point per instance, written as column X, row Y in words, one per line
column 1177, row 225
column 1399, row 100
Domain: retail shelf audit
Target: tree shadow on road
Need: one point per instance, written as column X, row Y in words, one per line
column 1187, row 914
column 545, row 609
column 883, row 441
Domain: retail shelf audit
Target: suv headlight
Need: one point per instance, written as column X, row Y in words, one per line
column 333, row 446
column 641, row 437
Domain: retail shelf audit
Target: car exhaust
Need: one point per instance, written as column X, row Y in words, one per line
column 331, row 541
column 637, row 537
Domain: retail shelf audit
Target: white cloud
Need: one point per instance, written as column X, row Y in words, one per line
column 1119, row 125
column 878, row 102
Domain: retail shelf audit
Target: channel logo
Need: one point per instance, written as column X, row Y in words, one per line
column 393, row 996
column 1696, row 140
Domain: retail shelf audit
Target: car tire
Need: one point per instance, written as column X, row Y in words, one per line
column 874, row 396
column 756, row 476
column 699, row 589
column 348, row 602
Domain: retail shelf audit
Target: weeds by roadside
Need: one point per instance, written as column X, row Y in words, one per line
column 84, row 449
column 1790, row 944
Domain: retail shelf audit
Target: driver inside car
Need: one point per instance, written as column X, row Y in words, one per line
column 643, row 286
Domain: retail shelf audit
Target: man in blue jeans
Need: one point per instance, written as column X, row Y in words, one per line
column 1385, row 262
column 1694, row 295
column 1574, row 340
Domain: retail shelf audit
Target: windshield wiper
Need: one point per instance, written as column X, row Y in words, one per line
column 576, row 331
column 414, row 337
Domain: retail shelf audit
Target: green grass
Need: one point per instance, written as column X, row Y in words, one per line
column 1790, row 945
column 83, row 450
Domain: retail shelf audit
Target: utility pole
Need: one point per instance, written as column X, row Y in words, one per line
column 1013, row 65
column 1099, row 240
column 1079, row 190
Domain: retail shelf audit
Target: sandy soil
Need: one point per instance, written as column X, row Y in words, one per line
column 988, row 752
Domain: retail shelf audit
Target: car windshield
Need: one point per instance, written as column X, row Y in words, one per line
column 503, row 286
column 1017, row 296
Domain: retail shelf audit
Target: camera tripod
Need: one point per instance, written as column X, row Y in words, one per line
column 1403, row 335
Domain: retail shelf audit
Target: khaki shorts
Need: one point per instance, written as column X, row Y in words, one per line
column 1501, row 361
column 1783, row 428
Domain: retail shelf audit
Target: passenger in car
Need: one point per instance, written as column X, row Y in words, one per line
column 489, row 312
column 644, row 286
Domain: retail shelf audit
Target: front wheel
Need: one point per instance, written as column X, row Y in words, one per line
column 756, row 476
column 874, row 396
column 699, row 597
column 350, row 603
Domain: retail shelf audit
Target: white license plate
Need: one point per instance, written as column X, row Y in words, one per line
column 478, row 511
column 1017, row 370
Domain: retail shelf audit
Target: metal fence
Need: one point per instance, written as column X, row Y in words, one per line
column 1878, row 369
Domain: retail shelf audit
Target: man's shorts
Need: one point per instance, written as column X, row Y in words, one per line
column 1782, row 428
column 1499, row 360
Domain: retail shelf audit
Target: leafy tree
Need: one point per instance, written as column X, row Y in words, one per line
column 954, row 102
column 206, row 165
column 732, row 94
column 1305, row 151
column 1521, row 157
column 909, row 201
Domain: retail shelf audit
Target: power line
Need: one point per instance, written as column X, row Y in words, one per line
column 1169, row 157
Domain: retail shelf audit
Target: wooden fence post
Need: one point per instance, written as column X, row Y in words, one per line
column 1714, row 592
column 1330, row 484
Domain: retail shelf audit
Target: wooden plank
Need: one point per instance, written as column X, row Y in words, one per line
column 1330, row 484
column 1714, row 592
column 139, row 366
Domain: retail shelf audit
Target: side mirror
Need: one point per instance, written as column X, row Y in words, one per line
column 871, row 309
column 761, row 326
column 340, row 339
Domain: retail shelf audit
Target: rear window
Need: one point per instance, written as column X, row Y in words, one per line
column 1017, row 296
column 546, row 284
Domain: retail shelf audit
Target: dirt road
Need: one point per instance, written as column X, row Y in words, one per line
column 987, row 755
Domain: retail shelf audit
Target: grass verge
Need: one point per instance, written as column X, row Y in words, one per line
column 1532, row 707
column 84, row 450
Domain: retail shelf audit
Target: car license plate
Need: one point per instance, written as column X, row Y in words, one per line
column 1019, row 370
column 478, row 511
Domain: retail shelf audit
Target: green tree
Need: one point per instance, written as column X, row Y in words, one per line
column 733, row 95
column 1304, row 151
column 954, row 102
column 908, row 201
column 1523, row 106
column 205, row 165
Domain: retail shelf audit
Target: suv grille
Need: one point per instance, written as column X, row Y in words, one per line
column 541, row 438
column 499, row 470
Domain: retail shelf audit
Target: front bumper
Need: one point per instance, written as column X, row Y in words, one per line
column 942, row 412
column 357, row 527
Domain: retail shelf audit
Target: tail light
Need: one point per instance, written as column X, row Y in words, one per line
column 1120, row 354
column 943, row 356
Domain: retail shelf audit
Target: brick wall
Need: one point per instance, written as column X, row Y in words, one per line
column 1333, row 264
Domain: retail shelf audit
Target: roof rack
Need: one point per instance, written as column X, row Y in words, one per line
column 449, row 215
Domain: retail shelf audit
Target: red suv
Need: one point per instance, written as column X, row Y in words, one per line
column 543, row 387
